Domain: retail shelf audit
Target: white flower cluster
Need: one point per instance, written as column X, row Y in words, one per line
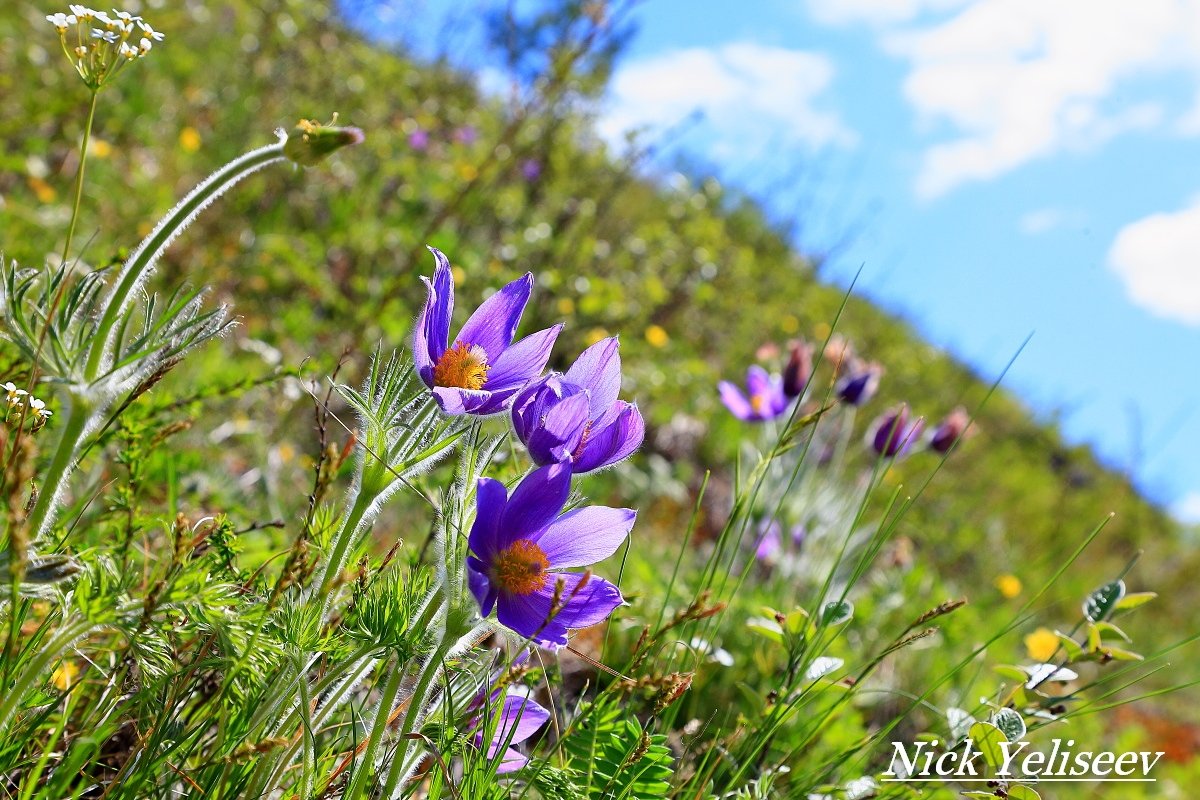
column 99, row 44
column 18, row 397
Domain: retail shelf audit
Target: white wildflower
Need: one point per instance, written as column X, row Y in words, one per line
column 61, row 21
column 144, row 45
column 127, row 51
column 149, row 31
column 38, row 407
column 107, row 36
column 83, row 12
column 14, row 394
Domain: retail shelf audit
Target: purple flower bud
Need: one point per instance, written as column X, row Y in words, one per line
column 893, row 434
column 799, row 369
column 859, row 382
column 531, row 170
column 799, row 534
column 950, row 430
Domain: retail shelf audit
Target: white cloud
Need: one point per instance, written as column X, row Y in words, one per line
column 1158, row 260
column 751, row 96
column 1000, row 83
column 1187, row 509
column 1044, row 220
column 876, row 12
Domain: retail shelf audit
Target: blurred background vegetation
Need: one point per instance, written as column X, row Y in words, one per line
column 691, row 274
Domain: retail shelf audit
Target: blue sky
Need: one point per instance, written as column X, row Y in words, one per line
column 1004, row 168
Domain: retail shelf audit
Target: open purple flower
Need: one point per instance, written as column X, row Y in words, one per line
column 520, row 718
column 859, row 382
column 576, row 418
column 893, row 434
column 520, row 542
column 483, row 369
column 764, row 400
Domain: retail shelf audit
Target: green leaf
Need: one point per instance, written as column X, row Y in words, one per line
column 1102, row 602
column 1070, row 646
column 1010, row 723
column 987, row 739
column 836, row 612
column 1010, row 672
column 1134, row 600
column 1123, row 655
column 1020, row 791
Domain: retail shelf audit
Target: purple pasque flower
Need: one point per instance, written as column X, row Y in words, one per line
column 576, row 418
column 520, row 543
column 950, row 430
column 893, row 434
column 519, row 718
column 483, row 369
column 859, row 382
column 764, row 399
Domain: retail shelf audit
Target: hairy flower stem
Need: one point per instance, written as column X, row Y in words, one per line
column 54, row 480
column 142, row 261
column 416, row 711
column 387, row 703
column 343, row 541
column 83, row 152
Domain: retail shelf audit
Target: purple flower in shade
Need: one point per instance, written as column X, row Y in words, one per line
column 467, row 134
column 770, row 542
column 418, row 140
column 893, row 434
column 576, row 418
column 859, row 382
column 799, row 368
column 950, row 430
column 520, row 718
column 482, row 371
column 766, row 398
column 531, row 170
column 518, row 544
column 799, row 534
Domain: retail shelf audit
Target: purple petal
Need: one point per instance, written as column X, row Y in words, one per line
column 511, row 762
column 535, row 503
column 758, row 381
column 494, row 323
column 560, row 430
column 530, row 403
column 585, row 535
column 520, row 718
column 455, row 401
column 735, row 401
column 582, row 607
column 443, row 286
column 598, row 369
column 614, row 442
column 480, row 586
column 490, row 499
column 522, row 362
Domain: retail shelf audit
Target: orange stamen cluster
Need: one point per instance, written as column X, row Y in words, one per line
column 520, row 568
column 462, row 366
column 758, row 402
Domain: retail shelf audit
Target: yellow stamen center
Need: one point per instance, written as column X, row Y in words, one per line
column 520, row 568
column 463, row 366
column 758, row 403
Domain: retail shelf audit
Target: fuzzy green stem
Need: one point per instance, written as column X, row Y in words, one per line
column 343, row 542
column 42, row 515
column 416, row 707
column 147, row 253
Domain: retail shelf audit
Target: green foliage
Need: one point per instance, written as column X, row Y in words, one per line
column 617, row 757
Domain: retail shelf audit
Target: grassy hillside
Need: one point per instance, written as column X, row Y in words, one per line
column 692, row 275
